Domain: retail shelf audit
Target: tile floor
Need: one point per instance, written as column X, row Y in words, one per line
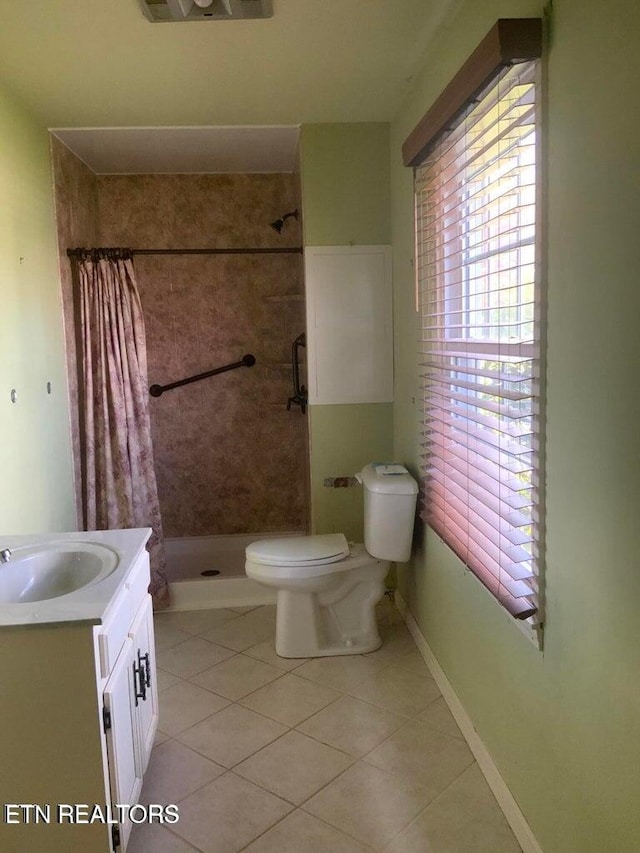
column 344, row 754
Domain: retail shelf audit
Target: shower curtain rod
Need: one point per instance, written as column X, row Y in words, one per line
column 77, row 253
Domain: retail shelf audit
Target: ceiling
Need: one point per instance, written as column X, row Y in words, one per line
column 179, row 150
column 100, row 64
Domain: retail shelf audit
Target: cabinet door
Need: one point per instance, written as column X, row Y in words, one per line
column 121, row 733
column 141, row 635
column 349, row 324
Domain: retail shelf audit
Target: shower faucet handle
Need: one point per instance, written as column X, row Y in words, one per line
column 298, row 401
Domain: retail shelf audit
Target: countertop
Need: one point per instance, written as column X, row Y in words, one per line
column 90, row 603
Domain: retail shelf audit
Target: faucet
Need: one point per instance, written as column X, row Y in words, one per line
column 5, row 555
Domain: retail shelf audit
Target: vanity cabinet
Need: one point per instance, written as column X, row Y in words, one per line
column 78, row 717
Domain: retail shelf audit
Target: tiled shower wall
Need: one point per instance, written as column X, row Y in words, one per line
column 76, row 195
column 229, row 456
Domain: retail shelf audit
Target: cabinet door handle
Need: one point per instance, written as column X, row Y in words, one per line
column 138, row 678
column 147, row 667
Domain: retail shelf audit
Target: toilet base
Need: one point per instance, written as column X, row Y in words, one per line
column 338, row 620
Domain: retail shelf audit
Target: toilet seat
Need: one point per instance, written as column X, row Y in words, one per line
column 355, row 558
column 299, row 551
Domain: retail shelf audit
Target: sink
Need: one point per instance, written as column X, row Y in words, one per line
column 36, row 573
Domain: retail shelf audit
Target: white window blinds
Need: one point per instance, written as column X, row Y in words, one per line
column 479, row 292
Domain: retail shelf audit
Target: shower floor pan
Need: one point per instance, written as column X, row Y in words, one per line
column 208, row 571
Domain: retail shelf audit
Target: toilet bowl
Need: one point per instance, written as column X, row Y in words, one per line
column 323, row 607
column 327, row 587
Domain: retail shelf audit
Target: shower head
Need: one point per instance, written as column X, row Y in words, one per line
column 278, row 224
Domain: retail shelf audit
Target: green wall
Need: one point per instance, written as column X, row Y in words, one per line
column 346, row 200
column 346, row 192
column 343, row 440
column 36, row 492
column 563, row 725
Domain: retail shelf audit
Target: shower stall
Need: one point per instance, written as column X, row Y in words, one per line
column 217, row 285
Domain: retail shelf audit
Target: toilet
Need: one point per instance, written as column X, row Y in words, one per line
column 328, row 588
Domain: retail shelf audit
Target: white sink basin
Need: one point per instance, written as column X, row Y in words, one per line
column 36, row 573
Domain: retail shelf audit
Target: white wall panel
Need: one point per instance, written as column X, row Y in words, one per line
column 349, row 324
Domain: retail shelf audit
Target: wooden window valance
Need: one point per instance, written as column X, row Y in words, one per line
column 509, row 41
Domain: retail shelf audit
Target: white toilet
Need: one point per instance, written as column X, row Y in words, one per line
column 327, row 588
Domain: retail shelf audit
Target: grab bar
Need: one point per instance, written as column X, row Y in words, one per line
column 299, row 391
column 246, row 361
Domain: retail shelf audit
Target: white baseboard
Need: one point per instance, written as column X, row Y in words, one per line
column 503, row 795
column 219, row 592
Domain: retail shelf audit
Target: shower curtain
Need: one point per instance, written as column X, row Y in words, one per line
column 119, row 483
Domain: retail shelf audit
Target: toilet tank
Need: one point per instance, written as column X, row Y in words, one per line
column 390, row 495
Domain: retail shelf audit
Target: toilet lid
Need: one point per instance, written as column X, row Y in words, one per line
column 299, row 550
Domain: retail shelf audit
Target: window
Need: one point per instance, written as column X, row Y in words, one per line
column 479, row 292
